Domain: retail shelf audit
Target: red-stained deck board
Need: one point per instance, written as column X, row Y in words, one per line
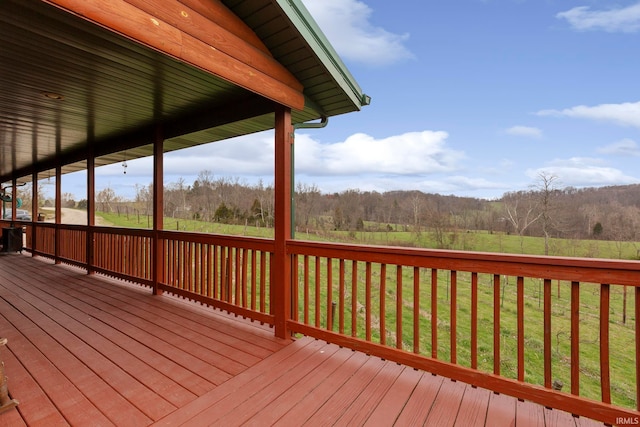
column 166, row 376
column 554, row 418
column 446, row 404
column 338, row 403
column 237, row 333
column 95, row 378
column 163, row 337
column 229, row 410
column 34, row 405
column 367, row 401
column 281, row 406
column 272, row 366
column 501, row 410
column 261, row 393
column 419, row 403
column 48, row 370
column 115, row 366
column 183, row 331
column 529, row 414
column 301, row 410
column 473, row 410
column 392, row 404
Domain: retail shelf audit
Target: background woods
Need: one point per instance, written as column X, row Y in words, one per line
column 606, row 213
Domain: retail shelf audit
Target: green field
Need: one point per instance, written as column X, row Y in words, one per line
column 622, row 337
column 460, row 240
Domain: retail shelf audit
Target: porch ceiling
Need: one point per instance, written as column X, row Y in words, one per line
column 68, row 85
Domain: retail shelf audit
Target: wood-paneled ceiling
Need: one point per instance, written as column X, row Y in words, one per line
column 69, row 86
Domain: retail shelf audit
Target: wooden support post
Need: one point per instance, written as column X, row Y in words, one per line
column 14, row 198
column 58, row 209
column 281, row 285
column 35, row 214
column 91, row 209
column 158, row 212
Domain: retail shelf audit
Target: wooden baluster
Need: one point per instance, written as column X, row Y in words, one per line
column 244, row 281
column 354, row 297
column 294, row 284
column 474, row 320
column 215, row 272
column 383, row 304
column 416, row 310
column 547, row 332
column 367, row 301
column 254, row 283
column 496, row 324
column 263, row 282
column 329, row 294
column 605, row 381
column 434, row 313
column 317, row 290
column 453, row 314
column 306, row 289
column 399, row 307
column 341, row 297
column 520, row 321
column 575, row 338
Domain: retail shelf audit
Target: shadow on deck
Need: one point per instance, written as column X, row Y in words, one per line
column 91, row 351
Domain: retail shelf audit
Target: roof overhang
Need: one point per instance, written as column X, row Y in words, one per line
column 79, row 76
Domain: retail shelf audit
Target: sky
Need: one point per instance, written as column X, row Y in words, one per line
column 469, row 98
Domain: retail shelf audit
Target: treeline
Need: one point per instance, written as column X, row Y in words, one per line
column 611, row 213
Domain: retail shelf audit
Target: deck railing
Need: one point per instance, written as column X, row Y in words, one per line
column 231, row 273
column 563, row 332
column 521, row 325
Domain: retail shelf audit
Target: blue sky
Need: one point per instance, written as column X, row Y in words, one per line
column 469, row 97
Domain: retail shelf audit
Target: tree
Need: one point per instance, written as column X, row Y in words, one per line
column 106, row 198
column 547, row 189
column 597, row 229
column 521, row 210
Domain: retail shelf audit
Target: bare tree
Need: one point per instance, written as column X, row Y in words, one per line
column 546, row 186
column 106, row 198
column 521, row 210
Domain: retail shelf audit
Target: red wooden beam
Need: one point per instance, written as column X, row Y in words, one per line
column 184, row 34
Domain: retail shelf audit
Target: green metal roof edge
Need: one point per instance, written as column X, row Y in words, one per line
column 313, row 35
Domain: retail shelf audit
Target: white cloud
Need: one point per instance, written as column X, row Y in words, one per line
column 625, row 114
column 524, row 131
column 358, row 156
column 347, row 25
column 583, row 172
column 412, row 153
column 625, row 147
column 625, row 19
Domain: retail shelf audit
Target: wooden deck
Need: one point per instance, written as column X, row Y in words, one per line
column 91, row 351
